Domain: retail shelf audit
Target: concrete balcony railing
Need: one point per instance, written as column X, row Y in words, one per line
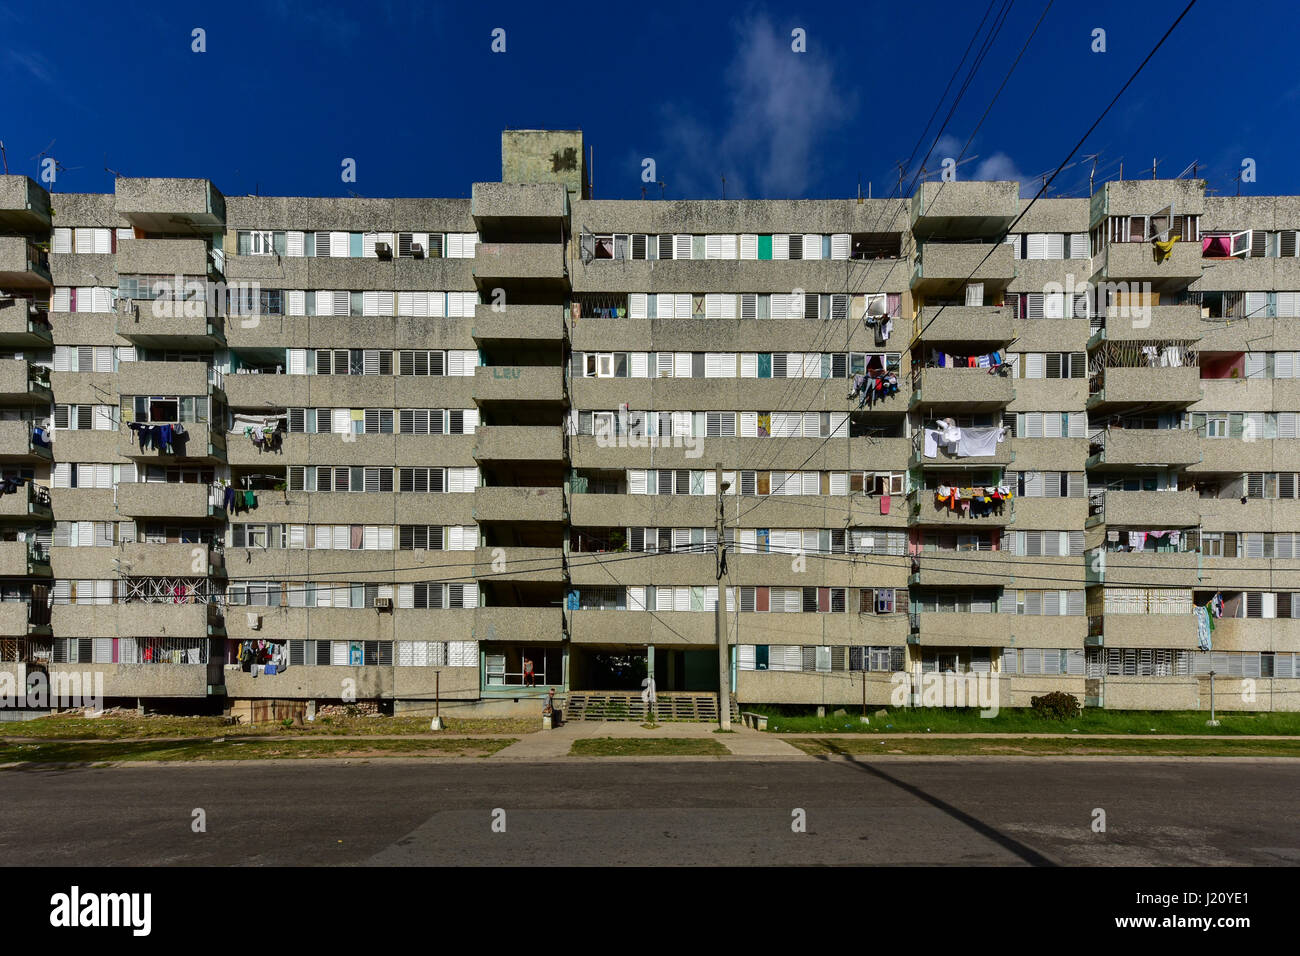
column 988, row 325
column 1145, row 386
column 519, row 624
column 950, row 265
column 142, row 619
column 170, row 205
column 137, row 322
column 18, row 441
column 963, row 629
column 24, row 205
column 1145, row 509
column 513, row 504
column 1174, row 569
column 520, row 564
column 168, row 560
column 25, row 323
column 519, row 203
column 22, row 383
column 1171, row 323
column 20, row 559
column 1136, row 447
column 24, row 504
column 519, row 443
column 514, row 261
column 519, row 383
column 972, row 388
column 1145, row 630
column 1002, row 455
column 23, row 264
column 925, row 508
column 167, row 378
column 519, row 323
column 964, row 208
column 1137, row 262
column 201, row 442
column 162, row 257
column 16, row 621
column 165, row 500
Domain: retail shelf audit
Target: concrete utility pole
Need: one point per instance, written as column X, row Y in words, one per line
column 720, row 618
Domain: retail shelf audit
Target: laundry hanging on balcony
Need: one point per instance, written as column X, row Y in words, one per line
column 992, row 362
column 1204, row 627
column 974, row 501
column 872, row 387
column 962, row 442
column 1163, row 248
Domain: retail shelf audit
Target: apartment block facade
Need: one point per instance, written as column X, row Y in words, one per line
column 322, row 449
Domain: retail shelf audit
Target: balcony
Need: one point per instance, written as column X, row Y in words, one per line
column 1114, row 387
column 25, row 324
column 925, row 509
column 973, row 389
column 519, row 443
column 964, row 209
column 170, row 205
column 1002, row 455
column 138, row 322
column 1170, row 323
column 22, row 383
column 21, row 559
column 520, row 324
column 985, row 326
column 167, row 378
column 1145, row 509
column 1144, row 630
column 1175, row 569
column 514, row 504
column 167, row 500
column 1142, row 447
column 539, row 265
column 24, row 205
column 531, row 624
column 519, row 383
column 24, row 505
column 520, row 564
column 1139, row 262
column 519, row 206
column 964, row 629
column 18, row 443
column 200, row 443
column 23, row 264
column 150, row 619
column 16, row 621
column 944, row 268
column 167, row 560
column 163, row 257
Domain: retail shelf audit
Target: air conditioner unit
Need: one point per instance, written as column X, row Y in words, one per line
column 417, row 250
column 383, row 604
column 383, row 250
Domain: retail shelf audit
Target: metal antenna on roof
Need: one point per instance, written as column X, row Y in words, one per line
column 724, row 186
column 3, row 157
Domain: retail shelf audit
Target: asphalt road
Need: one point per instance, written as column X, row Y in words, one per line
column 984, row 811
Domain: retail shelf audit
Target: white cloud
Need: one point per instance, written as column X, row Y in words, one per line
column 780, row 109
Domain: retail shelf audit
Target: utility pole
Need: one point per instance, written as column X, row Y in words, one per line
column 720, row 614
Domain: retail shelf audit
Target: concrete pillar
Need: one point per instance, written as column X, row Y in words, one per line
column 821, row 711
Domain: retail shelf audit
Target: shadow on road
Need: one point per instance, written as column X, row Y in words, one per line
column 1028, row 854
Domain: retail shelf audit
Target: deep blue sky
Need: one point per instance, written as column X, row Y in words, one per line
column 412, row 91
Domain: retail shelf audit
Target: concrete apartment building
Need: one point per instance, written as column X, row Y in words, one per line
column 426, row 444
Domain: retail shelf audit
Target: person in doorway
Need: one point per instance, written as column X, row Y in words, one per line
column 529, row 679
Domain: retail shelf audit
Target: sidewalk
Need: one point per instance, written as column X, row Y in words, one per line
column 555, row 744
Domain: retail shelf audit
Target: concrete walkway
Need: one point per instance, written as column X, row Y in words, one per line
column 555, row 744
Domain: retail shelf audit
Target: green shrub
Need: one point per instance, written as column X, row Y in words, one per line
column 1057, row 705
